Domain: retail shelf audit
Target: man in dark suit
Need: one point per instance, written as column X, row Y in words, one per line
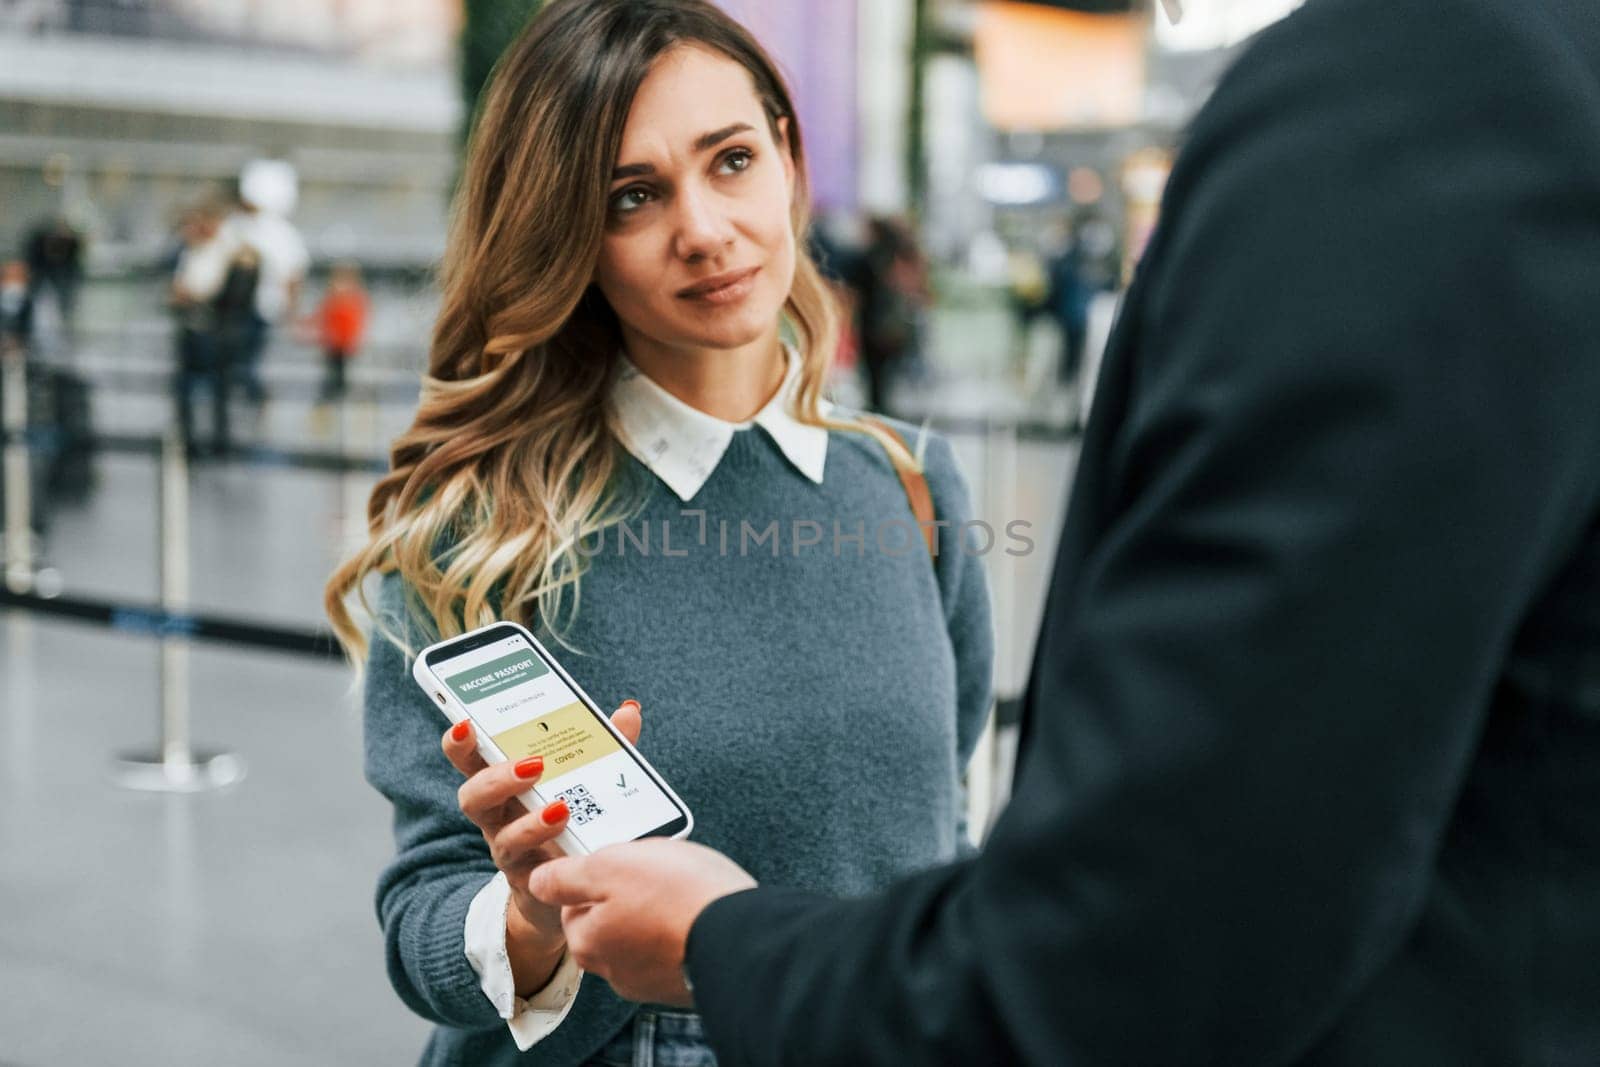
column 1313, row 767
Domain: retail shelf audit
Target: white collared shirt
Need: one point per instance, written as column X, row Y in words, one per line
column 681, row 445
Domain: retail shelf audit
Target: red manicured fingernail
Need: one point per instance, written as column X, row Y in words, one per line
column 554, row 813
column 460, row 730
column 631, row 701
column 532, row 767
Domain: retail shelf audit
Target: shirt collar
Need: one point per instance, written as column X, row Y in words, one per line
column 682, row 445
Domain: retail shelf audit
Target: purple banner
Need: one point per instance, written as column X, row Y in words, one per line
column 815, row 45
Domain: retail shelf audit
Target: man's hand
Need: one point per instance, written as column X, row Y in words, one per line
column 627, row 910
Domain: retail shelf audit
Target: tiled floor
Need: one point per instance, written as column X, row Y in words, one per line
column 224, row 928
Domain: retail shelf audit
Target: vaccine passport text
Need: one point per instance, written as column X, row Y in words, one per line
column 528, row 710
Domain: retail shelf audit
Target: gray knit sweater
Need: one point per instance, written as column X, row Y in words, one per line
column 813, row 704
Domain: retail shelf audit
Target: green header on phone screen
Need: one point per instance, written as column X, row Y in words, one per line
column 497, row 675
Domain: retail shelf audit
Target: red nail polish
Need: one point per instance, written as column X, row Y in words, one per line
column 531, row 767
column 631, row 701
column 460, row 730
column 554, row 813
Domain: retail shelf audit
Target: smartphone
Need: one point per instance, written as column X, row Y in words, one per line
column 522, row 703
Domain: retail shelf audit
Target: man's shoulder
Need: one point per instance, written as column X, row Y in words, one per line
column 1348, row 101
column 1414, row 39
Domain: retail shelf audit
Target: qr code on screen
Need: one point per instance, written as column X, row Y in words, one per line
column 581, row 805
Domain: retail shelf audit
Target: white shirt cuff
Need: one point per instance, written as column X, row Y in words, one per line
column 530, row 1019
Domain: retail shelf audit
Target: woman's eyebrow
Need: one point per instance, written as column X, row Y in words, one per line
column 701, row 143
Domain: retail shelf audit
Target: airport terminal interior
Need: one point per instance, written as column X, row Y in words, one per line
column 189, row 846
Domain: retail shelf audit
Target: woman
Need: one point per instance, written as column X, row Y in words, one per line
column 608, row 360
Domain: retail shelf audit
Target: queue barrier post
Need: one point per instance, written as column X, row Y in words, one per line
column 19, row 499
column 174, row 766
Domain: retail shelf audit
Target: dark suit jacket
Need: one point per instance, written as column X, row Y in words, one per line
column 1313, row 773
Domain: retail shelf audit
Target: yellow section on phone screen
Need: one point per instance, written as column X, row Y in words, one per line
column 567, row 738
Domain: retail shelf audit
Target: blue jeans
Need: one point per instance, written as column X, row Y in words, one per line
column 658, row 1038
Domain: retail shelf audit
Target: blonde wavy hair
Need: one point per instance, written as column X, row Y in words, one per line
column 513, row 454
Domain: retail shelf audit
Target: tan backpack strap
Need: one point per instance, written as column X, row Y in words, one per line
column 916, row 487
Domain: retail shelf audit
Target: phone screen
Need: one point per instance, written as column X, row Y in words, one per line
column 527, row 709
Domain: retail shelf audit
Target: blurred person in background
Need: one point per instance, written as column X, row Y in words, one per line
column 1310, row 769
column 832, row 245
column 1083, row 265
column 626, row 254
column 55, row 262
column 1028, row 295
column 268, row 190
column 891, row 286
column 16, row 306
column 1099, row 250
column 237, row 329
column 199, row 274
column 1070, row 291
column 16, row 336
column 339, row 324
column 55, row 403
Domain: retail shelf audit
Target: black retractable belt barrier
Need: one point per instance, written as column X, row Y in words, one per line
column 250, row 455
column 151, row 620
column 135, row 382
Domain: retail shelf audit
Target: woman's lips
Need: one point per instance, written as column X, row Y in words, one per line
column 735, row 289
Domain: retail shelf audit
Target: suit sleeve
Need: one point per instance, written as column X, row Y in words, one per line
column 1355, row 437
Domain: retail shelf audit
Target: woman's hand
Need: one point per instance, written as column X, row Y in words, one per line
column 520, row 840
